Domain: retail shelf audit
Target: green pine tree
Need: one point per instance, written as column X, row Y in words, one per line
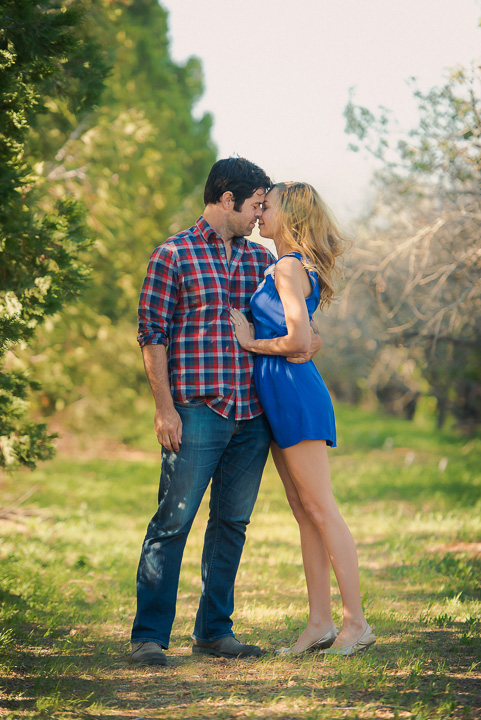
column 45, row 57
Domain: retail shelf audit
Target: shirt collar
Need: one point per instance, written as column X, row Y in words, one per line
column 210, row 235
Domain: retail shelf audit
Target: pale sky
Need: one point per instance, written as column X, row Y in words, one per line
column 277, row 75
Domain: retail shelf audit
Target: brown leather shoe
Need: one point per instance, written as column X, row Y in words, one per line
column 227, row 647
column 147, row 653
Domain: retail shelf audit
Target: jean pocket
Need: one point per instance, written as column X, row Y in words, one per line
column 190, row 404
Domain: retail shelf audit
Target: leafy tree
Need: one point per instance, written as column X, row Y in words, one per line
column 44, row 58
column 422, row 267
column 139, row 164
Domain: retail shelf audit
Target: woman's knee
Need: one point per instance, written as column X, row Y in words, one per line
column 297, row 508
column 321, row 515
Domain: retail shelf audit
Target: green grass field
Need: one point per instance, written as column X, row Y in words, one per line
column 71, row 536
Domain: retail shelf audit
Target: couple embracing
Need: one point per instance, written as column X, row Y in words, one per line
column 227, row 342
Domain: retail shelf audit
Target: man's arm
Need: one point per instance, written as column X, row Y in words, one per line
column 316, row 344
column 157, row 303
column 167, row 422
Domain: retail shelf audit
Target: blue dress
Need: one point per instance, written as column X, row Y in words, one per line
column 294, row 396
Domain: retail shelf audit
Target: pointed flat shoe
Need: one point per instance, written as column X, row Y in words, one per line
column 324, row 642
column 362, row 643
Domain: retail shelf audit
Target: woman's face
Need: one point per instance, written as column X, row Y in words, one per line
column 268, row 222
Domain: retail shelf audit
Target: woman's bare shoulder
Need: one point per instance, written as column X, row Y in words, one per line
column 291, row 271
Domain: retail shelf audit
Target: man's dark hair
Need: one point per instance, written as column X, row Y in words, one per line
column 236, row 175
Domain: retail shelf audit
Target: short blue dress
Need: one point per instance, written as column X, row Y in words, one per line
column 294, row 396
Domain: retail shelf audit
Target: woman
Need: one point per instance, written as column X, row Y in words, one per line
column 299, row 408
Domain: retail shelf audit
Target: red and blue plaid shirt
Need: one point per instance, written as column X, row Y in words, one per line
column 184, row 304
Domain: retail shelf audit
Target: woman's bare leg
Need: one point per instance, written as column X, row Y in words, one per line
column 317, row 565
column 308, row 468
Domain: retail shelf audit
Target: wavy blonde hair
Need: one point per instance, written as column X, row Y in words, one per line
column 306, row 224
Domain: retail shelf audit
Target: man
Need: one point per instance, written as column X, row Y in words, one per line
column 207, row 417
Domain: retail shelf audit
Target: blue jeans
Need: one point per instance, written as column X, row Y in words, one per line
column 233, row 455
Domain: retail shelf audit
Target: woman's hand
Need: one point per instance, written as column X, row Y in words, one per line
column 316, row 344
column 243, row 329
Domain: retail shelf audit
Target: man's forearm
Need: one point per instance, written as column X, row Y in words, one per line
column 156, row 369
column 167, row 422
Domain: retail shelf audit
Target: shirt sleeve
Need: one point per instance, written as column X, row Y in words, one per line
column 158, row 297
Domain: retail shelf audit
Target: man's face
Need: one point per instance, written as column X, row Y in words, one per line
column 243, row 221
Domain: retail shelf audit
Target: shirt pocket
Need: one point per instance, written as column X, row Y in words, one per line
column 198, row 291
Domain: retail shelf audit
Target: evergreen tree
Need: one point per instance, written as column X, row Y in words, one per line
column 45, row 58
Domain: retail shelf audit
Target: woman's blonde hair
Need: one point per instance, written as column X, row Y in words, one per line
column 306, row 224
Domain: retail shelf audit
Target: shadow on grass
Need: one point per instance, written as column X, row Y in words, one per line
column 430, row 667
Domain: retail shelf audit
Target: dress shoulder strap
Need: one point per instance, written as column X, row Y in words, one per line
column 291, row 254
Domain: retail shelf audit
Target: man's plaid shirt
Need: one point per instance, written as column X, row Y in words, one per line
column 184, row 304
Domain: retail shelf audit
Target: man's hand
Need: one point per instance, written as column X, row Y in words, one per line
column 168, row 428
column 316, row 344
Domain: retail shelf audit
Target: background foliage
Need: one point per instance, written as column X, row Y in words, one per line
column 127, row 146
column 136, row 161
column 139, row 166
column 412, row 303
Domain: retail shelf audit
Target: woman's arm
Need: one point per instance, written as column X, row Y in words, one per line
column 290, row 281
column 316, row 344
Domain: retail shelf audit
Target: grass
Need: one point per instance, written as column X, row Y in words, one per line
column 71, row 535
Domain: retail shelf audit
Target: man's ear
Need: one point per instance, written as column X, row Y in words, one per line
column 227, row 199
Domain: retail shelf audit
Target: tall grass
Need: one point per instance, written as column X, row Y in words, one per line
column 71, row 535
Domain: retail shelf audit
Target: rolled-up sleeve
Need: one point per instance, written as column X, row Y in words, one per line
column 158, row 297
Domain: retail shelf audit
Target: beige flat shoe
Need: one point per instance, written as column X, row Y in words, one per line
column 324, row 642
column 362, row 643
